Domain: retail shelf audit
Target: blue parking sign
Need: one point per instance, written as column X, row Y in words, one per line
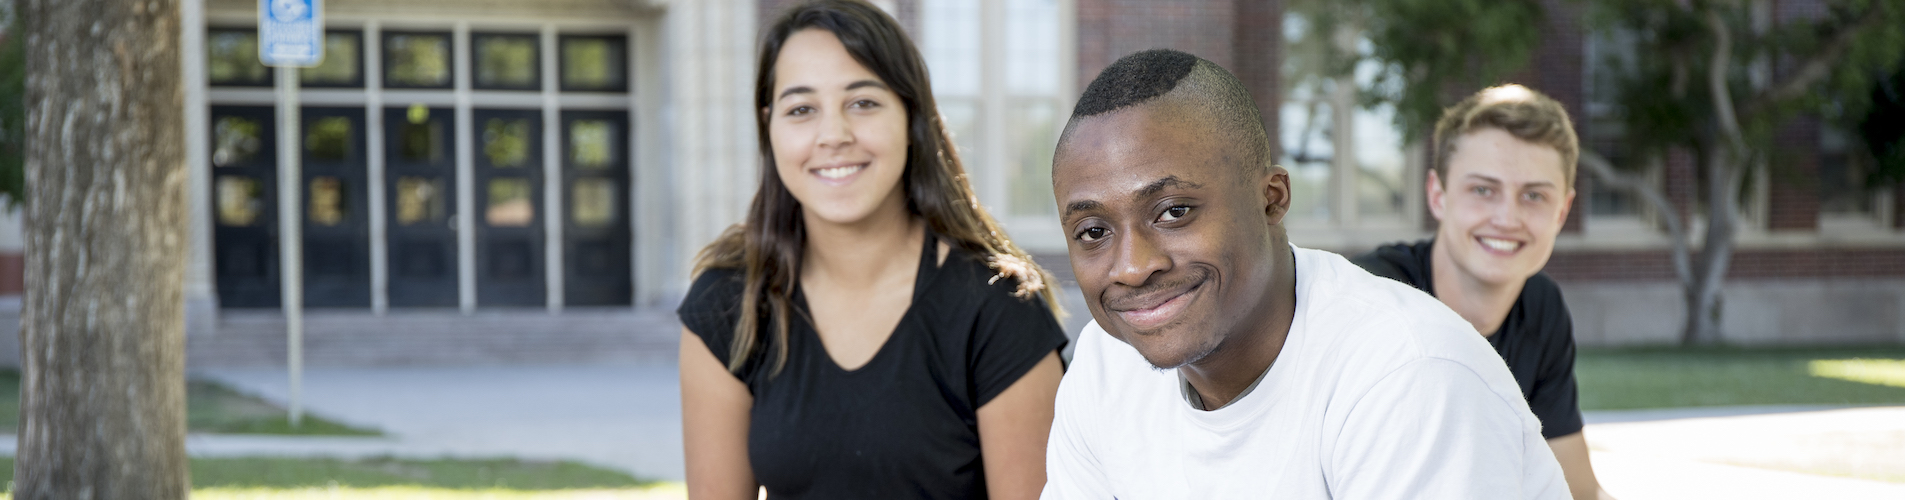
column 291, row 32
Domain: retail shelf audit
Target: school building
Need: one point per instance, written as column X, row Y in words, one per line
column 491, row 180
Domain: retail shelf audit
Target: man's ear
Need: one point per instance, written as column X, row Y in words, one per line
column 1275, row 186
column 1567, row 203
column 1433, row 188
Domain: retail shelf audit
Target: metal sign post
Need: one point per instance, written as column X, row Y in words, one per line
column 291, row 36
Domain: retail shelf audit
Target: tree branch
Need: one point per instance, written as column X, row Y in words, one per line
column 1818, row 66
column 1607, row 175
column 1717, row 69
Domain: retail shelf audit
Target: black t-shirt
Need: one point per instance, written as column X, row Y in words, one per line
column 1536, row 339
column 904, row 425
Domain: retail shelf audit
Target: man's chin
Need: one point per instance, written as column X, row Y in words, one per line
column 1170, row 355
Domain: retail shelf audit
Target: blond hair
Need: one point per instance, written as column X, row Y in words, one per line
column 1522, row 112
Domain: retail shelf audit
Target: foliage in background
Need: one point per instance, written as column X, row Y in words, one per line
column 12, row 113
column 1429, row 50
column 1883, row 130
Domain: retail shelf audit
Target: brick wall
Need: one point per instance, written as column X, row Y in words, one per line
column 1747, row 264
column 1244, row 36
column 1792, row 202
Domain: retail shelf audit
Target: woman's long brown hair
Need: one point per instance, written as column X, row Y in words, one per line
column 769, row 245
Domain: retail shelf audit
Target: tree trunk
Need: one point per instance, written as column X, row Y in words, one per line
column 102, row 324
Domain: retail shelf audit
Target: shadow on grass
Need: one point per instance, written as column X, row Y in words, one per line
column 293, row 473
column 1669, row 377
column 209, row 407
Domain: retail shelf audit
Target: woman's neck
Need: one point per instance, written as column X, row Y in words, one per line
column 863, row 252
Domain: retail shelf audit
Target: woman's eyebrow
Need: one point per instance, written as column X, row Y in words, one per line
column 868, row 83
column 798, row 89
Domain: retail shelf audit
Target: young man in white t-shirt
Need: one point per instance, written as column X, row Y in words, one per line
column 1224, row 362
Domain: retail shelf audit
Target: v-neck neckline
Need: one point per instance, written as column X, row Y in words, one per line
column 928, row 267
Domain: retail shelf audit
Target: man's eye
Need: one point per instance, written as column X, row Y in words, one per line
column 1174, row 213
column 1483, row 191
column 1535, row 196
column 1091, row 234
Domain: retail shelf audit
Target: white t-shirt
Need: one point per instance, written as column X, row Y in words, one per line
column 1380, row 392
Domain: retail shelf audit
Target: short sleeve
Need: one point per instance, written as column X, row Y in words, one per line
column 711, row 309
column 1010, row 336
column 1554, row 399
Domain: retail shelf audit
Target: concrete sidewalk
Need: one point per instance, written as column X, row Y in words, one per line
column 625, row 417
column 1750, row 452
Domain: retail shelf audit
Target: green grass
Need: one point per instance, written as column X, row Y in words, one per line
column 209, row 407
column 265, row 474
column 1662, row 377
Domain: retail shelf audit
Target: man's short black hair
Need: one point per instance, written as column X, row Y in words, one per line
column 1161, row 74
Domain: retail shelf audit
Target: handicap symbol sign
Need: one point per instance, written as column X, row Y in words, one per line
column 291, row 32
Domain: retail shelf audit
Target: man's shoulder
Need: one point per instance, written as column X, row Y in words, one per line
column 1382, row 324
column 1400, row 261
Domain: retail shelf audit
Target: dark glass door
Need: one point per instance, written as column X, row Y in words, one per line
column 509, row 223
column 245, row 206
column 595, row 191
column 420, row 187
column 336, row 227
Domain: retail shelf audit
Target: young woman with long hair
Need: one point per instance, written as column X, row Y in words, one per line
column 869, row 331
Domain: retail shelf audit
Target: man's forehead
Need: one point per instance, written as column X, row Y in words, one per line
column 1151, row 134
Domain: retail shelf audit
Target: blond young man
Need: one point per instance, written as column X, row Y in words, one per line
column 1500, row 187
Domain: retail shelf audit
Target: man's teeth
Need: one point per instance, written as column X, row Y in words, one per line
column 1502, row 245
column 839, row 172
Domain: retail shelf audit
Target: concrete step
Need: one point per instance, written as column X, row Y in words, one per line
column 439, row 337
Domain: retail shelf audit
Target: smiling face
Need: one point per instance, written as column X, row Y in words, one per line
column 1171, row 240
column 1500, row 208
column 838, row 132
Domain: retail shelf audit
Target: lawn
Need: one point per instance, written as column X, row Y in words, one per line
column 209, row 407
column 1660, row 377
column 292, row 478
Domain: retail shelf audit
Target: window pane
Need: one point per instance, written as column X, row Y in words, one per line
column 340, row 65
column 506, row 62
column 417, row 60
column 239, row 200
column 1842, row 174
column 594, row 63
column 232, row 58
column 329, row 139
column 1308, row 151
column 592, row 143
column 236, row 141
column 327, row 201
column 506, row 142
column 962, row 121
column 1033, row 131
column 419, row 138
column 1031, row 47
column 949, row 40
column 419, row 200
column 509, row 203
column 1379, row 163
column 594, row 202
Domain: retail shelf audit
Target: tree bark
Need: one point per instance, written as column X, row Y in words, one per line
column 102, row 326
